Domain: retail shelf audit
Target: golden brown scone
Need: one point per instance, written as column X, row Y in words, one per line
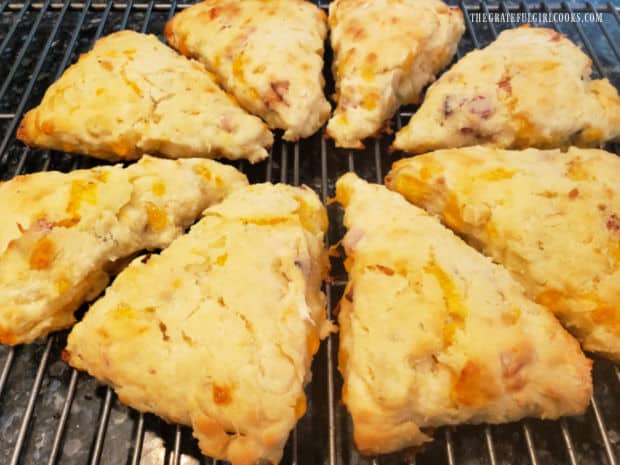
column 433, row 333
column 231, row 313
column 132, row 95
column 62, row 234
column 267, row 53
column 551, row 218
column 529, row 88
column 385, row 52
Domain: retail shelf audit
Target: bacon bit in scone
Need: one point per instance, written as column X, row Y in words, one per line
column 440, row 180
column 221, row 395
column 613, row 223
column 504, row 84
column 448, row 106
column 43, row 224
column 227, row 125
column 481, row 106
column 20, row 227
column 573, row 193
column 513, row 363
column 467, row 131
column 146, row 258
column 276, row 94
column 280, row 87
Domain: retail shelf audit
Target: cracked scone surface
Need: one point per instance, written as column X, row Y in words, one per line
column 385, row 52
column 62, row 234
column 529, row 88
column 433, row 333
column 267, row 53
column 132, row 95
column 234, row 309
column 551, row 218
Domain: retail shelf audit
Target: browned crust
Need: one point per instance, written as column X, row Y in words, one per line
column 24, row 131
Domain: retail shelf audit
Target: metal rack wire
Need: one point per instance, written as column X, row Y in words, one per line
column 51, row 414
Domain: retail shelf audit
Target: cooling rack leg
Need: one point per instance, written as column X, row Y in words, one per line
column 176, row 454
column 331, row 398
column 101, row 429
column 490, row 445
column 137, row 445
column 62, row 423
column 568, row 441
column 530, row 444
column 449, row 446
column 34, row 392
column 6, row 368
column 603, row 431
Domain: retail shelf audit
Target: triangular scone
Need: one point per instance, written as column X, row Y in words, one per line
column 433, row 333
column 62, row 234
column 231, row 314
column 529, row 88
column 267, row 53
column 551, row 218
column 385, row 52
column 132, row 95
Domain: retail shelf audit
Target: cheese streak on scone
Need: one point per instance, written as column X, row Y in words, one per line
column 385, row 52
column 267, row 53
column 529, row 88
column 433, row 333
column 132, row 95
column 231, row 314
column 551, row 218
column 63, row 234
